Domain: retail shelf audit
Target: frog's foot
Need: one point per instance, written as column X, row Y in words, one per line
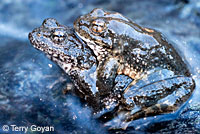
column 118, row 122
column 69, row 87
column 125, row 119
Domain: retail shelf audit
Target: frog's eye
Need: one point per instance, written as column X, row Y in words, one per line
column 98, row 26
column 58, row 35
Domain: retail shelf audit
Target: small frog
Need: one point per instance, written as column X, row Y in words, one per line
column 61, row 45
column 161, row 79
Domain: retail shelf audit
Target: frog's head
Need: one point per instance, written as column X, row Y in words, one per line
column 102, row 29
column 49, row 35
column 61, row 45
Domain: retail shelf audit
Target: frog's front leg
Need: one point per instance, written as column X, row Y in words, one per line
column 159, row 97
column 106, row 74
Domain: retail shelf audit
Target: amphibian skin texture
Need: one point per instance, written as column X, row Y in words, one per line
column 132, row 49
column 138, row 53
column 61, row 45
column 122, row 70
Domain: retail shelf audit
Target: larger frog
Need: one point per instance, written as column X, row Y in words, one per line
column 124, row 47
column 133, row 50
column 162, row 91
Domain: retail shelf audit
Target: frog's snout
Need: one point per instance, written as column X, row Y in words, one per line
column 30, row 37
column 33, row 38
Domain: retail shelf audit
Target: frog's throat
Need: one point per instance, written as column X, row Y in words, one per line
column 98, row 50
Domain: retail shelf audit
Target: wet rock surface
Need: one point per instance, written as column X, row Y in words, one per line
column 31, row 86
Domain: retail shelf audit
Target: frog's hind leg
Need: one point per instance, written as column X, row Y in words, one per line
column 155, row 98
column 166, row 96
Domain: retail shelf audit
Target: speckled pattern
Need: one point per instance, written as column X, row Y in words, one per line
column 32, row 86
column 153, row 97
column 126, row 47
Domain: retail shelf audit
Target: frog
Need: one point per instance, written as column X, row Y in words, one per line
column 139, row 53
column 61, row 45
column 124, row 102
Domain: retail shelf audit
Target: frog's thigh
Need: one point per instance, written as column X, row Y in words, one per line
column 167, row 97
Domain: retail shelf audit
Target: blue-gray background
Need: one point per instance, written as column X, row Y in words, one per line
column 31, row 85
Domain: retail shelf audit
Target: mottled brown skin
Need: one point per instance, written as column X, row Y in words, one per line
column 62, row 46
column 128, row 76
column 129, row 49
column 134, row 50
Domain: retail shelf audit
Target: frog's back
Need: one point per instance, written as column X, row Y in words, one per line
column 152, row 51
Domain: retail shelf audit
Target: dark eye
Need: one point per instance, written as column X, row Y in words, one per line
column 98, row 26
column 58, row 35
